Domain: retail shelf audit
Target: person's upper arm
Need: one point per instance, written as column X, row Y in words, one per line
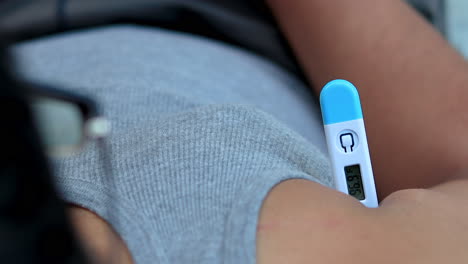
column 304, row 222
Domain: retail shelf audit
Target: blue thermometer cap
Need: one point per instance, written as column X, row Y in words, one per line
column 340, row 102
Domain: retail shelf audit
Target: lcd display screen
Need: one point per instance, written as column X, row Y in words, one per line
column 354, row 181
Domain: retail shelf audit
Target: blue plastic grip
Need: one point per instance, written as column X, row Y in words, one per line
column 340, row 102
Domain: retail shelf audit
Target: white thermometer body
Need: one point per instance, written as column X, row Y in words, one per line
column 347, row 142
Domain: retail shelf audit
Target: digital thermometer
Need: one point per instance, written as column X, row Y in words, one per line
column 347, row 142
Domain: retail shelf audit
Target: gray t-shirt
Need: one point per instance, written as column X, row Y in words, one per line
column 244, row 23
column 201, row 133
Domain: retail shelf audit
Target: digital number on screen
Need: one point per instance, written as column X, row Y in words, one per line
column 354, row 182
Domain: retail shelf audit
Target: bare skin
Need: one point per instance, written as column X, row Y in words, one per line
column 414, row 89
column 102, row 244
column 304, row 222
column 413, row 85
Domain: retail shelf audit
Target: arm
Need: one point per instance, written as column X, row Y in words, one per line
column 99, row 240
column 304, row 222
column 413, row 85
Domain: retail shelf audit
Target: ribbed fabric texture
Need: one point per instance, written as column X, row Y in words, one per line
column 201, row 133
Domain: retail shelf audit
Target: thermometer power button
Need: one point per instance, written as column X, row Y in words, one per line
column 347, row 141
